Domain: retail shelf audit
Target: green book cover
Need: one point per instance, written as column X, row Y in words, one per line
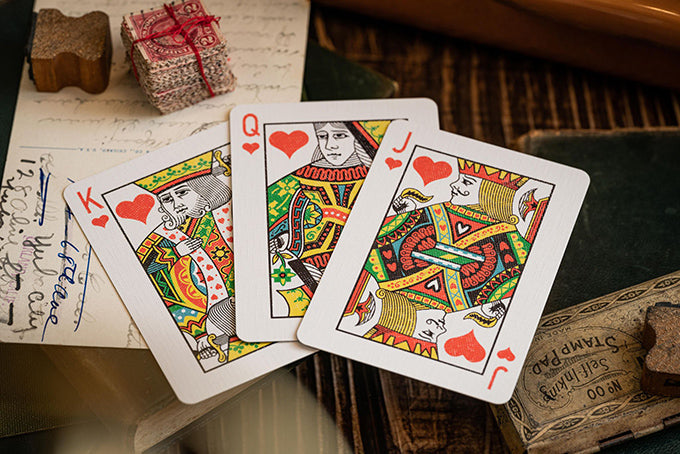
column 329, row 76
column 626, row 231
column 579, row 389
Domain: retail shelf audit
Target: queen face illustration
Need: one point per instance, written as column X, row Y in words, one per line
column 336, row 143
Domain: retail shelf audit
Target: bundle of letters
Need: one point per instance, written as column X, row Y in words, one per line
column 178, row 55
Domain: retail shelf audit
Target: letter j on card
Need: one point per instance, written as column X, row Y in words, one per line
column 299, row 169
column 446, row 262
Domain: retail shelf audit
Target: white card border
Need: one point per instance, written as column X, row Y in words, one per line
column 319, row 327
column 253, row 314
column 184, row 374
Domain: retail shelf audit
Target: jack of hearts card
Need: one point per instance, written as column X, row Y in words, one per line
column 299, row 168
column 446, row 262
column 161, row 226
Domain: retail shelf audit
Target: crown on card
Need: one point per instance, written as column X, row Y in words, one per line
column 186, row 170
column 502, row 177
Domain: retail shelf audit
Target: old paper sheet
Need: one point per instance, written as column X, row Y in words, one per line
column 52, row 288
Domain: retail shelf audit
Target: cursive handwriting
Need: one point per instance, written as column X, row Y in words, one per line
column 134, row 338
column 35, row 313
column 266, row 45
column 37, row 245
column 9, row 294
column 17, row 204
column 266, row 42
column 11, row 189
column 60, row 293
column 9, row 269
column 82, row 298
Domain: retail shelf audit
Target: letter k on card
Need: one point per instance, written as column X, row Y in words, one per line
column 86, row 201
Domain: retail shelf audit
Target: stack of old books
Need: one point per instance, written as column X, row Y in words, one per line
column 178, row 54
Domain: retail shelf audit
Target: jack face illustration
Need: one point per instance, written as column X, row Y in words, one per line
column 464, row 255
column 465, row 190
column 447, row 261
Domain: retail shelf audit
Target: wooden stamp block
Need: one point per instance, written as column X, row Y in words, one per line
column 71, row 51
column 661, row 338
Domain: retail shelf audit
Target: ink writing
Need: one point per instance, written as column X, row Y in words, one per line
column 60, row 292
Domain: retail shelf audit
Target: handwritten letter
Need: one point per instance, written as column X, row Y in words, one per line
column 52, row 288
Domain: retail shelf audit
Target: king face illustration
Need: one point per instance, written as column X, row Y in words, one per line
column 187, row 256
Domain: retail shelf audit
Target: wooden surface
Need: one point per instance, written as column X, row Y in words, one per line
column 572, row 33
column 492, row 95
column 327, row 404
column 483, row 93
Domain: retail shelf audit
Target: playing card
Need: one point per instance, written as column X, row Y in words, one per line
column 161, row 227
column 300, row 169
column 446, row 262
